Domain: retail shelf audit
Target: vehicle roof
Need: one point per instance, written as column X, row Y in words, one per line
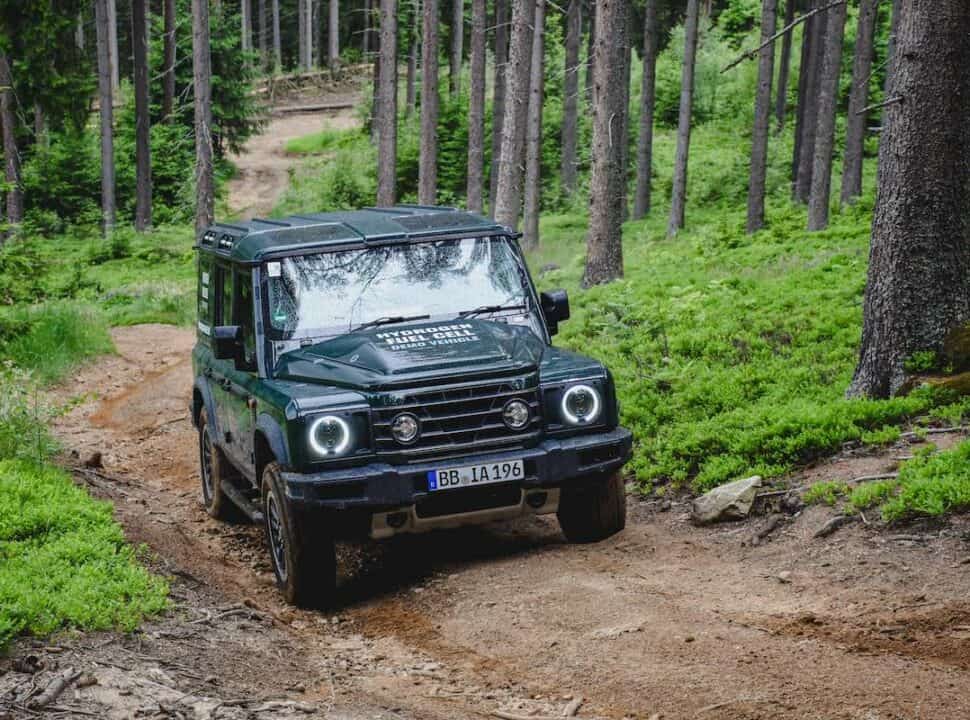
column 253, row 241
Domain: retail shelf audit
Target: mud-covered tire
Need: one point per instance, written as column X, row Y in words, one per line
column 301, row 549
column 214, row 467
column 593, row 510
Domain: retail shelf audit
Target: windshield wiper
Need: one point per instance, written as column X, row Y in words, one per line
column 490, row 309
column 389, row 320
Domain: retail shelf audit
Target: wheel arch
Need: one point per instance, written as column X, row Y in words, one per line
column 269, row 445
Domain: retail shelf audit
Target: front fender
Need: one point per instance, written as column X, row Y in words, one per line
column 271, row 430
column 208, row 402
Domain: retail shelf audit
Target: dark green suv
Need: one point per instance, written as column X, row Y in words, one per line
column 389, row 370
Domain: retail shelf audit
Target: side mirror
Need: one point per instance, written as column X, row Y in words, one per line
column 227, row 342
column 555, row 308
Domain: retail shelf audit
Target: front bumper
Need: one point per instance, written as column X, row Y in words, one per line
column 553, row 463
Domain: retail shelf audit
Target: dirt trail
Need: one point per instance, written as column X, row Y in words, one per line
column 264, row 165
column 664, row 618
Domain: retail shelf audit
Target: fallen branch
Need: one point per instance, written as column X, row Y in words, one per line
column 781, row 33
column 53, row 691
column 872, row 478
column 313, row 108
column 934, row 431
column 832, row 525
column 884, row 103
column 513, row 716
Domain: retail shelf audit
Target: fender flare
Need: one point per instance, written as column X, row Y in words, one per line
column 208, row 403
column 271, row 430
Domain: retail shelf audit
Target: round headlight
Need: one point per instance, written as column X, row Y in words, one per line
column 329, row 435
column 515, row 414
column 405, row 428
column 580, row 405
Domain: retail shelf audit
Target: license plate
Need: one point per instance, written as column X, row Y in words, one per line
column 483, row 474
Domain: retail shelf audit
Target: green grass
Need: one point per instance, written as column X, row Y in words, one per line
column 63, row 559
column 326, row 141
column 827, row 492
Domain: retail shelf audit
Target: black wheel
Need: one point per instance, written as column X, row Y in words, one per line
column 593, row 510
column 213, row 469
column 301, row 549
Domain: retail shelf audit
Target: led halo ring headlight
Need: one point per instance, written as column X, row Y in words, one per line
column 405, row 428
column 581, row 405
column 516, row 414
column 330, row 435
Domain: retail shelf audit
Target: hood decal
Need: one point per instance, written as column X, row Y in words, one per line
column 434, row 336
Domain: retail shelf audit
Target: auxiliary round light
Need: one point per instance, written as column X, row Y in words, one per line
column 580, row 405
column 515, row 414
column 330, row 435
column 405, row 428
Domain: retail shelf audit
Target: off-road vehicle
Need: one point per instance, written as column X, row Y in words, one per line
column 383, row 371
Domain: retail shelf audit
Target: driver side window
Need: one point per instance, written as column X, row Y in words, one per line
column 243, row 315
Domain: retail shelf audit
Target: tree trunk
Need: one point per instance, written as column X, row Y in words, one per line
column 897, row 11
column 604, row 246
column 812, row 69
column 428, row 160
column 590, row 51
column 627, row 68
column 918, row 290
column 8, row 119
column 781, row 97
column 508, row 195
column 143, row 145
column 533, row 145
column 113, row 47
column 376, row 97
column 333, row 30
column 855, row 134
column 762, row 118
column 501, row 58
column 803, row 75
column 79, row 31
column 828, row 97
column 301, row 28
column 412, row 93
column 246, row 20
column 476, row 110
column 570, row 96
column 387, row 108
column 318, row 54
column 365, row 36
column 202, row 80
column 648, row 95
column 277, row 43
column 678, row 200
column 263, row 35
column 457, row 45
column 168, row 69
column 105, row 100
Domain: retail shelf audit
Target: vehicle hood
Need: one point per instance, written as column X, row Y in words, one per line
column 392, row 355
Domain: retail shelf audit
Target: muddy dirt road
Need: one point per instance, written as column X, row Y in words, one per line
column 663, row 620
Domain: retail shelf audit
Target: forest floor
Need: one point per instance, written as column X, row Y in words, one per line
column 665, row 619
column 263, row 167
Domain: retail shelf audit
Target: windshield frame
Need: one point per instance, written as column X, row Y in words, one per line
column 274, row 335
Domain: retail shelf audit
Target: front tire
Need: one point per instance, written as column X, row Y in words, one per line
column 301, row 550
column 214, row 467
column 593, row 510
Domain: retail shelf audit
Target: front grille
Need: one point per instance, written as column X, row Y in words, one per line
column 456, row 420
column 465, row 500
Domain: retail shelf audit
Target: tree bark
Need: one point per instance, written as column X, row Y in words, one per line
column 476, row 110
column 457, row 45
column 501, row 58
column 333, row 43
column 376, row 97
column 918, row 291
column 648, row 95
column 891, row 47
column 365, row 36
column 428, row 160
column 8, row 119
column 604, row 246
column 855, row 135
column 816, row 29
column 508, row 196
column 113, row 47
column 411, row 102
column 168, row 71
column 590, row 51
column 828, row 96
column 781, row 97
column 105, row 102
column 570, row 96
column 803, row 76
column 277, row 43
column 202, row 81
column 762, row 118
column 263, row 34
column 143, row 144
column 678, row 200
column 246, row 21
column 79, row 31
column 387, row 108
column 533, row 146
column 301, row 32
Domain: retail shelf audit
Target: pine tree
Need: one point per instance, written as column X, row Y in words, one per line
column 648, row 93
column 168, row 71
column 428, row 159
column 762, row 118
column 678, row 200
column 387, row 107
column 105, row 102
column 11, row 154
column 781, row 96
column 570, row 96
column 533, row 151
column 457, row 45
column 143, row 145
column 501, row 59
column 476, row 110
column 855, row 134
column 202, row 81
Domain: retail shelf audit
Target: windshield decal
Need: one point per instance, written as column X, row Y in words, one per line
column 449, row 334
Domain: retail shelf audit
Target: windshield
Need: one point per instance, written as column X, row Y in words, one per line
column 333, row 292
